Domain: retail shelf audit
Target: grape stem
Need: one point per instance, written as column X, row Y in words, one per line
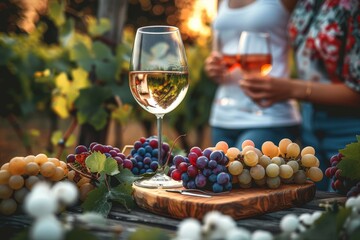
column 169, row 154
column 81, row 173
column 67, row 134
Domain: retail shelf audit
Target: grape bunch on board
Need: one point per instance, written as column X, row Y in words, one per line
column 18, row 176
column 203, row 169
column 273, row 165
column 344, row 170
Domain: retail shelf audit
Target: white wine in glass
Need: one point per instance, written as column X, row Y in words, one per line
column 158, row 80
column 255, row 56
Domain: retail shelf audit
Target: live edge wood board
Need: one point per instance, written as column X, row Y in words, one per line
column 239, row 203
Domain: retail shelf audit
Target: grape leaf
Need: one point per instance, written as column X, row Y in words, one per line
column 97, row 201
column 97, row 27
column 111, row 167
column 96, row 162
column 126, row 176
column 350, row 164
column 122, row 194
column 59, row 105
column 57, row 12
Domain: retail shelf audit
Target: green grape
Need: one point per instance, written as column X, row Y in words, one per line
column 233, row 153
column 235, row 168
column 20, row 194
column 257, row 172
column 48, row 169
column 308, row 160
column 30, row 181
column 292, row 150
column 277, row 160
column 264, row 161
column 300, row 177
column 247, row 143
column 32, row 168
column 286, row 171
column 244, row 177
column 273, row 182
column 251, row 158
column 5, row 191
column 308, row 150
column 260, row 182
column 272, row 170
column 16, row 182
column 315, row 174
column 8, row 206
column 247, row 148
column 294, row 165
column 258, row 152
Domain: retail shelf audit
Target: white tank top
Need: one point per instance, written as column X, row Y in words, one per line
column 231, row 107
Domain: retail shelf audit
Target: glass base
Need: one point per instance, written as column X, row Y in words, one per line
column 159, row 180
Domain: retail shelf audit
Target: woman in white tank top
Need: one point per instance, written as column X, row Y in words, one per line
column 232, row 117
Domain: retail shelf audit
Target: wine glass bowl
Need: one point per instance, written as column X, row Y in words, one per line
column 158, row 80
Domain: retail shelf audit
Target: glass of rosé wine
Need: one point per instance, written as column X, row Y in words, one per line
column 158, row 80
column 255, row 55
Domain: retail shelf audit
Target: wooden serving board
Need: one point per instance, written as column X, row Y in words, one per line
column 239, row 203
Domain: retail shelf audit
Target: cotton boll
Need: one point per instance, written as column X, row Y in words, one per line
column 316, row 215
column 238, row 234
column 350, row 202
column 261, row 235
column 189, row 229
column 217, row 225
column 65, row 192
column 47, row 228
column 40, row 202
column 289, row 223
column 306, row 219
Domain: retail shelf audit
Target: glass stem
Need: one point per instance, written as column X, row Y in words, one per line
column 159, row 119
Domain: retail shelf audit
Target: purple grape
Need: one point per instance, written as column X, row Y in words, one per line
column 171, row 169
column 212, row 164
column 228, row 186
column 178, row 159
column 216, row 155
column 81, row 149
column 128, row 164
column 223, row 178
column 116, row 150
column 207, row 153
column 149, row 170
column 91, row 146
column 147, row 160
column 200, row 181
column 217, row 188
column 206, row 172
column 142, row 171
column 191, row 184
column 196, row 150
column 137, row 145
column 119, row 160
column 166, row 147
column 192, row 171
column 138, row 158
column 192, row 158
column 98, row 148
column 154, row 166
column 121, row 155
column 113, row 153
column 70, row 158
column 153, row 143
column 146, row 166
column 201, row 162
column 212, row 178
column 148, row 149
column 141, row 151
column 218, row 169
column 185, row 177
column 135, row 171
column 140, row 165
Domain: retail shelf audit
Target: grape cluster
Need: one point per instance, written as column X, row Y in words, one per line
column 144, row 155
column 18, row 176
column 202, row 169
column 273, row 165
column 341, row 183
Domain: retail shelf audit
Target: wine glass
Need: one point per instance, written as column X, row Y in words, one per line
column 158, row 81
column 255, row 56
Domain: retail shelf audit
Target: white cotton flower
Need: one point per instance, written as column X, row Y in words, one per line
column 238, row 233
column 350, row 202
column 47, row 228
column 217, row 225
column 352, row 225
column 289, row 223
column 261, row 235
column 39, row 202
column 316, row 215
column 306, row 219
column 65, row 192
column 189, row 229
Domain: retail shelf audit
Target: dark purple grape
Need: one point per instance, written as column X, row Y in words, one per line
column 216, row 155
column 153, row 143
column 212, row 164
column 218, row 169
column 200, row 181
column 91, row 146
column 147, row 160
column 135, row 171
column 121, row 155
column 217, row 188
column 223, row 178
column 201, row 162
column 149, row 170
column 171, row 168
column 137, row 145
column 113, row 153
column 166, row 147
column 206, row 172
column 185, row 177
column 212, row 178
column 119, row 160
column 154, row 166
column 224, row 161
column 148, row 149
column 138, row 158
column 81, row 149
column 141, row 151
column 178, row 159
column 128, row 164
column 142, row 140
column 133, row 160
column 207, row 152
column 228, row 186
column 155, row 153
column 192, row 171
column 183, row 167
column 99, row 148
column 142, row 171
column 140, row 165
column 146, row 166
column 116, row 150
column 191, row 184
column 176, row 175
column 70, row 158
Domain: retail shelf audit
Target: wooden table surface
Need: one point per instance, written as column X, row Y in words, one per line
column 139, row 218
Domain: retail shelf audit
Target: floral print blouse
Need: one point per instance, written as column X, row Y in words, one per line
column 326, row 38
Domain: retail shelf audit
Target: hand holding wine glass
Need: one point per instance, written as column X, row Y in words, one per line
column 158, row 81
column 255, row 56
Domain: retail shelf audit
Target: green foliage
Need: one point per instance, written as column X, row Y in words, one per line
column 350, row 165
column 149, row 234
column 99, row 163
